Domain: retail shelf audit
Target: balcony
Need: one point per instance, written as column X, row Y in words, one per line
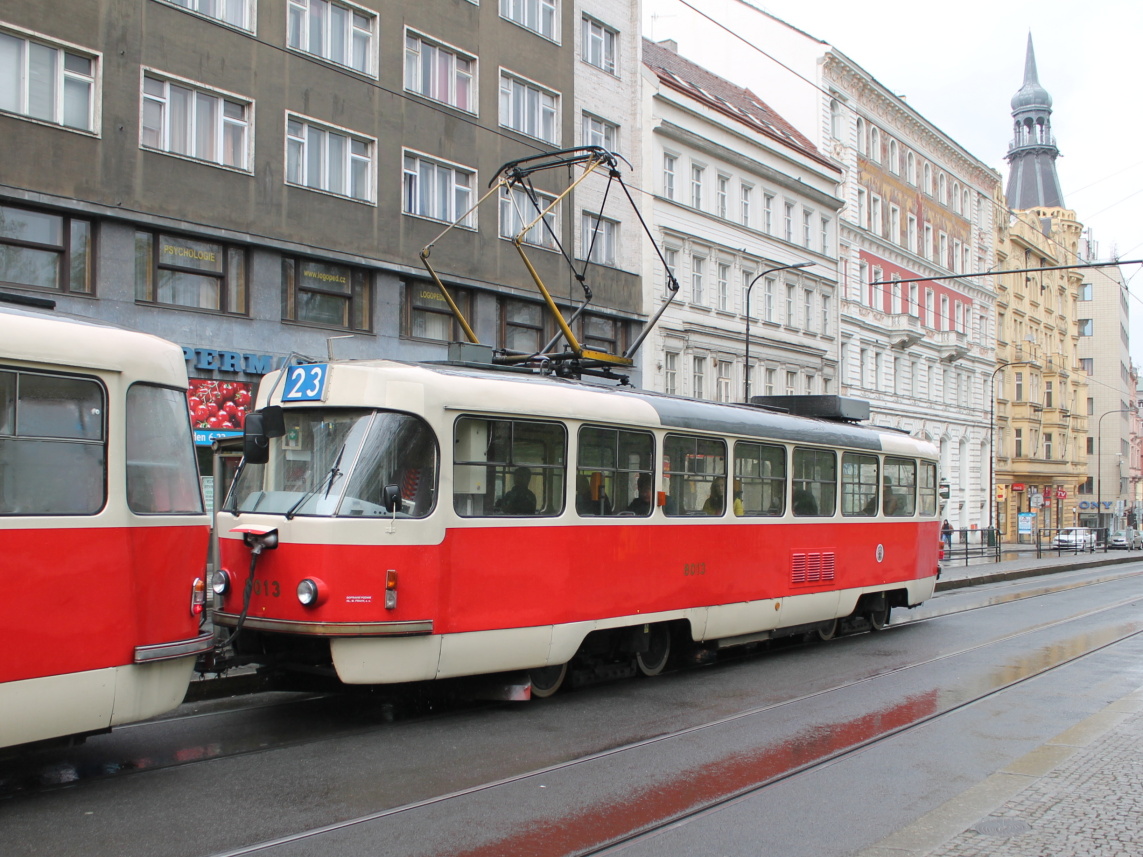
column 951, row 345
column 904, row 330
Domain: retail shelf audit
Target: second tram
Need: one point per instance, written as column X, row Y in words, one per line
column 397, row 522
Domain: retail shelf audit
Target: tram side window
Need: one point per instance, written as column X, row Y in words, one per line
column 859, row 485
column 694, row 472
column 53, row 453
column 815, row 482
column 613, row 466
column 900, row 497
column 759, row 479
column 162, row 474
column 927, row 488
column 508, row 467
column 399, row 450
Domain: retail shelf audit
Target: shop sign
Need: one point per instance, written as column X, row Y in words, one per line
column 1017, row 486
column 218, row 408
column 1094, row 505
column 211, row 360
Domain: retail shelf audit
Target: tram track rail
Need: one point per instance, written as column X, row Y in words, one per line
column 616, row 845
column 10, row 787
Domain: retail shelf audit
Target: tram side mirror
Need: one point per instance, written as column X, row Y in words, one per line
column 255, row 443
column 273, row 421
column 391, row 498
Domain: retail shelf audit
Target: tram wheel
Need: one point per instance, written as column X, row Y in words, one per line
column 547, row 680
column 654, row 660
column 878, row 617
column 827, row 630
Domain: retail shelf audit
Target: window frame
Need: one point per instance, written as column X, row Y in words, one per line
column 61, row 76
column 302, row 143
column 410, row 309
column 807, row 462
column 499, row 470
column 232, row 286
column 358, row 298
column 72, row 231
column 608, row 49
column 414, row 77
column 525, row 8
column 415, row 176
column 150, row 101
column 692, row 479
column 617, row 497
column 546, row 114
column 247, row 6
column 304, row 36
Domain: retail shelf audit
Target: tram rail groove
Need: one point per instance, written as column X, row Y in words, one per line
column 616, row 845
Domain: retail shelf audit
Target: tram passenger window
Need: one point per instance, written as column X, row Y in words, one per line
column 400, row 450
column 508, row 467
column 694, row 473
column 815, row 482
column 162, row 474
column 52, row 445
column 927, row 488
column 759, row 479
column 900, row 497
column 611, row 464
column 859, row 485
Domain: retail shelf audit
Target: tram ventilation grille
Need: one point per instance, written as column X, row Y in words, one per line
column 812, row 567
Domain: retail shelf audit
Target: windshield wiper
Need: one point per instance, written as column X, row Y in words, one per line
column 326, row 483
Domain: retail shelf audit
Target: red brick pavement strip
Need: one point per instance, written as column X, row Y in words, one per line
column 1079, row 794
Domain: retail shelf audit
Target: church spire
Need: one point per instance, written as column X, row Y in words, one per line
column 1032, row 179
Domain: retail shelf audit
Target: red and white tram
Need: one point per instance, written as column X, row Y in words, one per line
column 103, row 535
column 400, row 522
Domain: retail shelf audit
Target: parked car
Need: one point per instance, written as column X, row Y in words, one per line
column 1075, row 539
column 1126, row 540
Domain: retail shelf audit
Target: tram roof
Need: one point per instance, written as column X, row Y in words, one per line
column 49, row 339
column 521, row 393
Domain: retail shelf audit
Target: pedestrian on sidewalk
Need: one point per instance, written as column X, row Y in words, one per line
column 946, row 533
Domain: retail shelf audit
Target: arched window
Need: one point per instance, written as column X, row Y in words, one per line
column 911, row 169
column 942, row 189
column 875, row 143
column 862, row 145
column 894, row 160
column 835, row 119
column 928, row 188
column 956, row 198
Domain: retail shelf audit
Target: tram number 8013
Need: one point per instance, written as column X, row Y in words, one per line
column 269, row 588
column 692, row 569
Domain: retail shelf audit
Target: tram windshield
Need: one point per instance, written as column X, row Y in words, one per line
column 338, row 463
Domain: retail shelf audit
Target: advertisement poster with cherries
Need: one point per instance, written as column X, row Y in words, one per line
column 218, row 408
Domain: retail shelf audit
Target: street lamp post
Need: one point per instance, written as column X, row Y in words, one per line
column 1099, row 463
column 749, row 288
column 992, row 437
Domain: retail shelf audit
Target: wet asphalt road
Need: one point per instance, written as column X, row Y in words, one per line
column 855, row 738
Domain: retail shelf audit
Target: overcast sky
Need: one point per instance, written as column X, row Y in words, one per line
column 959, row 64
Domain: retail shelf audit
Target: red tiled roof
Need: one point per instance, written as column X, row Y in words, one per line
column 734, row 101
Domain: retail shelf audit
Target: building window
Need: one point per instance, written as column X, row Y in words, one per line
column 327, row 294
column 894, row 158
column 875, row 216
column 197, row 123
column 808, row 310
column 698, row 294
column 723, row 287
column 826, row 310
column 720, row 198
column 45, row 251
column 747, row 191
column 894, row 224
column 791, row 319
column 771, row 285
column 911, row 234
column 335, row 32
column 1086, row 327
column 698, row 377
column 1019, row 386
column 942, row 189
column 722, row 372
column 52, row 84
column 1048, row 445
column 521, row 326
column 1085, row 291
column 438, row 72
column 517, row 210
column 539, row 16
column 669, row 162
column 599, row 45
column 769, row 386
column 825, row 235
column 875, row 144
column 696, row 186
column 321, row 158
column 911, row 169
column 928, row 174
column 788, row 228
column 233, row 12
column 438, row 191
column 600, row 239
column 768, row 214
column 1019, row 443
column 671, row 373
column 599, row 333
column 186, row 272
column 427, row 314
column 862, row 143
column 808, row 230
column 529, row 109
column 1087, row 365
column 600, row 132
column 928, row 248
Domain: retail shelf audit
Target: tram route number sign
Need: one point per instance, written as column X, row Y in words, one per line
column 305, row 383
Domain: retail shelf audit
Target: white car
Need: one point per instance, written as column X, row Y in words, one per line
column 1126, row 540
column 1075, row 539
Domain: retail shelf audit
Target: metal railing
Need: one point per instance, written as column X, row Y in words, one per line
column 968, row 544
column 1064, row 540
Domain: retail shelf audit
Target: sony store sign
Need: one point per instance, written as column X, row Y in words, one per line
column 212, row 360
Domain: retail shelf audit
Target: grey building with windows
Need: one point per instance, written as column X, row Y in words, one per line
column 254, row 179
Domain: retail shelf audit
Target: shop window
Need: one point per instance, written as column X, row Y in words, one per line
column 428, row 315
column 326, row 294
column 186, row 272
column 45, row 251
column 522, row 327
column 603, row 334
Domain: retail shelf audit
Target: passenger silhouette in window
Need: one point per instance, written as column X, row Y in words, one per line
column 519, row 500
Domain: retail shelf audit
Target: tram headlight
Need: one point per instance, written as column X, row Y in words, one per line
column 220, row 581
column 311, row 592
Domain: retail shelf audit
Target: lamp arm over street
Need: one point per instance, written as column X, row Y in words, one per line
column 749, row 288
